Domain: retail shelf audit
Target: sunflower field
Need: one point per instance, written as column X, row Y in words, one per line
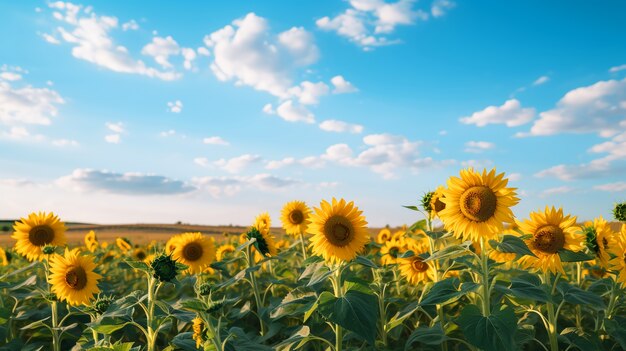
column 467, row 275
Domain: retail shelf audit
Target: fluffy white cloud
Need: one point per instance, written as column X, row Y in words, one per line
column 597, row 108
column 332, row 125
column 215, row 140
column 202, row 161
column 247, row 53
column 294, row 113
column 237, row 164
column 113, row 138
column 64, row 142
column 558, row 190
column 541, row 80
column 439, row 7
column 161, row 49
column 90, row 36
column 20, row 134
column 617, row 68
column 478, row 146
column 308, row 93
column 366, row 20
column 269, row 109
column 510, row 113
column 612, row 187
column 10, row 76
column 117, row 127
column 220, row 186
column 175, row 106
column 130, row 25
column 122, row 183
column 27, row 104
column 342, row 86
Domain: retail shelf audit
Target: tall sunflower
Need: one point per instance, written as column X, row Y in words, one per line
column 339, row 231
column 390, row 251
column 551, row 231
column 295, row 217
column 124, row 244
column 264, row 243
column 170, row 245
column 618, row 263
column 194, row 250
column 383, row 236
column 600, row 237
column 91, row 241
column 263, row 223
column 476, row 205
column 35, row 232
column 4, row 257
column 413, row 268
column 72, row 277
column 223, row 250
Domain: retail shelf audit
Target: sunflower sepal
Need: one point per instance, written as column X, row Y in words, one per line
column 511, row 244
column 574, row 256
column 419, row 225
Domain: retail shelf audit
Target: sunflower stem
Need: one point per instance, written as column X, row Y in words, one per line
column 485, row 278
column 440, row 314
column 303, row 246
column 552, row 319
column 153, row 289
column 255, row 287
column 579, row 324
column 338, row 290
column 56, row 342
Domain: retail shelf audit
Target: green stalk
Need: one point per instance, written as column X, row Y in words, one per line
column 383, row 314
column 303, row 246
column 579, row 324
column 440, row 314
column 56, row 342
column 552, row 319
column 255, row 287
column 338, row 290
column 485, row 278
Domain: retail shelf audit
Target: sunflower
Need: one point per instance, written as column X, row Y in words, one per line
column 123, row 244
column 139, row 254
column 399, row 234
column 295, row 217
column 91, row 241
column 72, row 278
column 198, row 331
column 477, row 204
column 595, row 270
column 618, row 263
column 436, row 203
column 339, row 231
column 170, row 245
column 383, row 236
column 243, row 238
column 414, row 269
column 391, row 250
column 194, row 250
column 223, row 250
column 263, row 223
column 4, row 257
column 282, row 244
column 264, row 243
column 551, row 231
column 35, row 232
column 600, row 238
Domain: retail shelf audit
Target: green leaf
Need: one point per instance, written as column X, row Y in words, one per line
column 511, row 244
column 492, row 333
column 442, row 292
column 296, row 302
column 239, row 340
column 365, row 261
column 320, row 275
column 107, row 329
column 193, row 305
column 419, row 225
column 616, row 329
column 529, row 288
column 449, row 251
column 425, row 335
column 571, row 256
column 401, row 316
column 437, row 235
column 578, row 296
column 355, row 311
column 414, row 208
column 184, row 341
column 139, row 265
column 300, row 337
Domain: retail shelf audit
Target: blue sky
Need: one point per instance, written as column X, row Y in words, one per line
column 129, row 112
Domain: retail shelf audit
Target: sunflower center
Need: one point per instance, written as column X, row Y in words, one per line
column 41, row 235
column 418, row 265
column 438, row 205
column 192, row 251
column 141, row 255
column 549, row 239
column 296, row 217
column 394, row 251
column 339, row 231
column 478, row 203
column 76, row 278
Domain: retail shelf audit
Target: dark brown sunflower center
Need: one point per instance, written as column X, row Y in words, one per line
column 339, row 231
column 478, row 203
column 296, row 217
column 438, row 205
column 549, row 239
column 192, row 251
column 141, row 255
column 418, row 265
column 394, row 251
column 605, row 243
column 41, row 235
column 76, row 278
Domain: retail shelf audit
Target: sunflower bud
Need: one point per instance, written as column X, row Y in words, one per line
column 198, row 331
column 619, row 212
column 591, row 239
column 48, row 249
column 205, row 289
column 102, row 304
column 426, row 201
column 215, row 306
column 164, row 267
column 51, row 297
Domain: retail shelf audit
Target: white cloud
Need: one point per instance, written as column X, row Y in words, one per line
column 20, row 134
column 237, row 164
column 439, row 7
column 308, row 93
column 90, row 36
column 228, row 186
column 64, row 142
column 203, row 51
column 167, row 133
column 478, row 146
column 510, row 113
column 112, row 138
column 247, row 53
column 332, row 125
column 130, row 25
column 541, row 80
column 26, row 104
column 558, row 190
column 50, row 39
column 202, row 161
column 617, row 68
column 597, row 108
column 175, row 106
column 115, row 127
column 189, row 55
column 364, row 23
column 477, row 164
column 84, row 180
column 161, row 49
column 612, row 187
column 342, row 86
column 215, row 140
column 292, row 113
column 10, row 76
column 269, row 109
